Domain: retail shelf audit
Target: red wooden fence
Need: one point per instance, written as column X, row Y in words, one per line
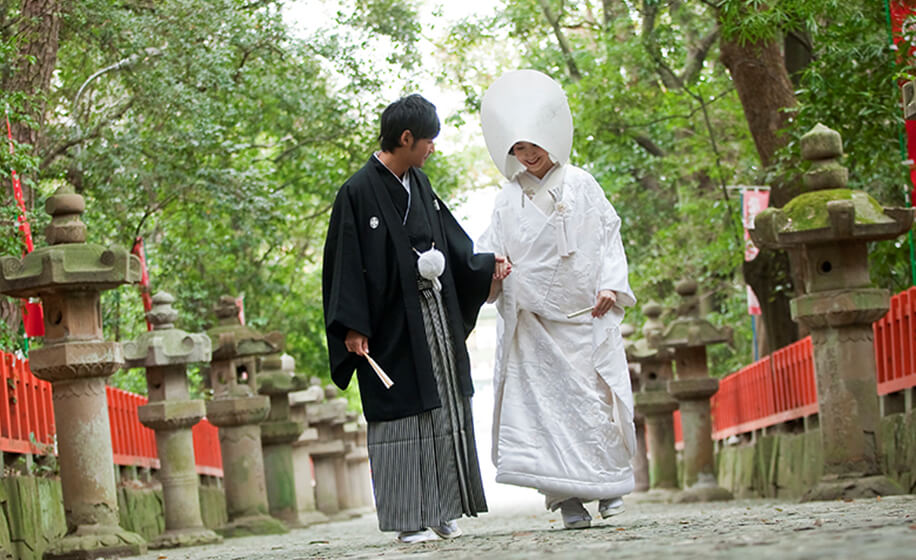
column 27, row 422
column 132, row 442
column 781, row 387
column 771, row 391
column 26, row 412
column 895, row 344
column 774, row 390
column 207, row 455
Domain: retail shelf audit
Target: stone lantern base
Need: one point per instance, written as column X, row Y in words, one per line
column 852, row 487
column 706, row 489
column 277, row 438
column 252, row 525
column 699, row 455
column 195, row 536
column 91, row 543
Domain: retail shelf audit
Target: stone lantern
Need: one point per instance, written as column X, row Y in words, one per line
column 301, row 403
column 829, row 227
column 688, row 336
column 640, row 462
column 69, row 276
column 165, row 352
column 237, row 410
column 328, row 455
column 277, row 379
column 360, row 476
column 653, row 401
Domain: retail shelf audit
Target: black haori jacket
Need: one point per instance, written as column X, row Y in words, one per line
column 369, row 285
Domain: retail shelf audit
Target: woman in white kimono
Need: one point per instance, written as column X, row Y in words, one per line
column 563, row 415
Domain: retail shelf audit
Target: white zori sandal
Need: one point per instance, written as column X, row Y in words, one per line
column 575, row 516
column 610, row 507
column 448, row 530
column 412, row 537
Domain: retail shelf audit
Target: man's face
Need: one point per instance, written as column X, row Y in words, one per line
column 419, row 150
column 533, row 157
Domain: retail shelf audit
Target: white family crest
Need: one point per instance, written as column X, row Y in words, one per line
column 373, row 222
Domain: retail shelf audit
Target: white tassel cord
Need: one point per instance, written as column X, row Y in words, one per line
column 431, row 265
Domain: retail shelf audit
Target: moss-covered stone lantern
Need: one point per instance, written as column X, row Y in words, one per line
column 640, row 461
column 165, row 352
column 237, row 410
column 69, row 276
column 829, row 227
column 653, row 401
column 688, row 336
column 277, row 379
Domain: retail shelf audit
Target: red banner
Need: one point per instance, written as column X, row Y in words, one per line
column 903, row 29
column 753, row 201
column 139, row 250
column 32, row 315
column 18, row 195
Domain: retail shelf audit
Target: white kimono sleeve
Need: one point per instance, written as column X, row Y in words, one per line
column 491, row 239
column 614, row 269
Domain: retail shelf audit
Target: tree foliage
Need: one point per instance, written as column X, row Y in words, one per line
column 220, row 137
column 660, row 125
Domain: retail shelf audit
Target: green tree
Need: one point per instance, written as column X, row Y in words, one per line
column 674, row 101
column 217, row 135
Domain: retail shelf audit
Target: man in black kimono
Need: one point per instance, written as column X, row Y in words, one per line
column 376, row 302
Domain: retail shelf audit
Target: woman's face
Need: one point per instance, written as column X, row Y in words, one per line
column 533, row 157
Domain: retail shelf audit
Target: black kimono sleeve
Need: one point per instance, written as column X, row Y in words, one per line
column 472, row 272
column 344, row 294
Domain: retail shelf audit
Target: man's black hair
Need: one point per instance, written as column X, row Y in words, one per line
column 413, row 113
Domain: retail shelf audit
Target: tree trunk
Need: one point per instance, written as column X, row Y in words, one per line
column 759, row 73
column 32, row 67
column 798, row 55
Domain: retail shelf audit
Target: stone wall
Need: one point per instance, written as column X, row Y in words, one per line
column 32, row 514
column 786, row 465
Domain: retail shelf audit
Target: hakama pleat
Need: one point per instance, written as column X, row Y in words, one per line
column 425, row 469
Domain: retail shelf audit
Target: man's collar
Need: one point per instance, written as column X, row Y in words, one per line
column 377, row 156
column 403, row 180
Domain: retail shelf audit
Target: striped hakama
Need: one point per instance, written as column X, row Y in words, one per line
column 425, row 470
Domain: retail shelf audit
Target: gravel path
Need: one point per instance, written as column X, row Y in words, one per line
column 749, row 529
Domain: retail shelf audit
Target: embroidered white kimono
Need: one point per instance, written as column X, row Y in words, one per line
column 563, row 415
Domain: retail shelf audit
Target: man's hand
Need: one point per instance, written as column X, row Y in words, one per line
column 604, row 303
column 503, row 267
column 357, row 343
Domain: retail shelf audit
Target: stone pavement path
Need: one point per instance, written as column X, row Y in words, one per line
column 746, row 529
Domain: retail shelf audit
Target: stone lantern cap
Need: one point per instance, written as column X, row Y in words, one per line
column 642, row 351
column 312, row 394
column 829, row 212
column 829, row 216
column 165, row 345
column 277, row 376
column 689, row 329
column 648, row 347
column 67, row 261
column 231, row 339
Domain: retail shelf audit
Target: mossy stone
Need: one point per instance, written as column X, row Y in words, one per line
column 809, row 210
column 213, row 506
column 141, row 511
column 745, row 472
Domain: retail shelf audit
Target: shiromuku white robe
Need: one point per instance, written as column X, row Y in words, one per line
column 563, row 415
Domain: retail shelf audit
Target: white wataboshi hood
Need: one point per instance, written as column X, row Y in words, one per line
column 525, row 106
